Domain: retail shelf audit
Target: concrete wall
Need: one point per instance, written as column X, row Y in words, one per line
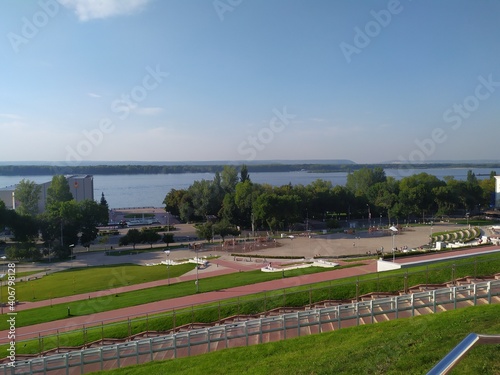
column 6, row 197
column 383, row 265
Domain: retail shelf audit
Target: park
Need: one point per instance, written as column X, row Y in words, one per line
column 147, row 281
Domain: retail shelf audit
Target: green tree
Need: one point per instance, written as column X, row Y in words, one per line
column 205, row 231
column 149, row 236
column 133, row 237
column 445, row 199
column 319, row 198
column 416, row 195
column 277, row 211
column 168, row 238
column 224, row 228
column 244, row 176
column 23, row 252
column 245, row 195
column 3, row 215
column 104, row 211
column 229, row 211
column 58, row 191
column 488, row 190
column 27, row 193
column 201, row 195
column 360, row 181
column 186, row 209
column 90, row 218
column 229, row 179
column 24, row 228
column 173, row 201
column 383, row 196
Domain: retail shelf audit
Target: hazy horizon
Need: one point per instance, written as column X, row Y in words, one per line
column 235, row 162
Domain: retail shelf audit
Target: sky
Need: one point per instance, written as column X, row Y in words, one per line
column 248, row 80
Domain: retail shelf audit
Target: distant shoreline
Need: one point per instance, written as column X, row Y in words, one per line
column 104, row 169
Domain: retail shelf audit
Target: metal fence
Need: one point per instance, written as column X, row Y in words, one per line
column 260, row 330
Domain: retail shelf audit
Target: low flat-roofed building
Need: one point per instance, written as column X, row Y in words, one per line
column 80, row 186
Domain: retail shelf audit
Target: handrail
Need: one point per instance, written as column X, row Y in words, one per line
column 457, row 353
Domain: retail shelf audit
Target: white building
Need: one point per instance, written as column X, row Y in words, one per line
column 81, row 187
column 497, row 191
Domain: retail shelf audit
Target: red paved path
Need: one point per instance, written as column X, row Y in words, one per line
column 24, row 333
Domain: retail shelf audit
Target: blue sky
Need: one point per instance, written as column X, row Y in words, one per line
column 179, row 80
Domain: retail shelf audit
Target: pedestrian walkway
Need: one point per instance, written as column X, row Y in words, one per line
column 24, row 333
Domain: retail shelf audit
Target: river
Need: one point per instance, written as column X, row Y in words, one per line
column 149, row 190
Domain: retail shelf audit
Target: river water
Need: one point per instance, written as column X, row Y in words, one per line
column 149, row 190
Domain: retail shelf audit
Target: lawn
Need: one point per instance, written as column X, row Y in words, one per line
column 139, row 297
column 404, row 346
column 91, row 279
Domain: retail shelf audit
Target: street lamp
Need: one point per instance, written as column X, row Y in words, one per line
column 168, row 266
column 197, row 266
column 71, row 248
column 393, row 230
column 430, row 238
column 369, row 216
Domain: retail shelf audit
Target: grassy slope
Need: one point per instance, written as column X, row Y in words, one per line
column 142, row 296
column 405, row 346
column 91, row 279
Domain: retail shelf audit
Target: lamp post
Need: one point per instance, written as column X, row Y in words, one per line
column 430, row 238
column 71, row 248
column 197, row 266
column 369, row 216
column 168, row 266
column 393, row 249
column 393, row 230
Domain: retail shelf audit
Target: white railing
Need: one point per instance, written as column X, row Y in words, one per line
column 255, row 331
column 453, row 357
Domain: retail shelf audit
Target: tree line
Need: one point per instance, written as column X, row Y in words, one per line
column 232, row 201
column 343, row 166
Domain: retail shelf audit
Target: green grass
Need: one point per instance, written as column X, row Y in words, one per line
column 139, row 297
column 21, row 274
column 90, row 279
column 404, row 346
